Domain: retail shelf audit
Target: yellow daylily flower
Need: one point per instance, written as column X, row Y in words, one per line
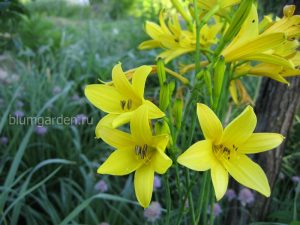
column 223, row 3
column 224, row 151
column 275, row 72
column 249, row 45
column 205, row 5
column 176, row 40
column 239, row 93
column 121, row 99
column 138, row 152
column 289, row 24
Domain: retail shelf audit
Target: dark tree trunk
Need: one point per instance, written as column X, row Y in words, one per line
column 275, row 108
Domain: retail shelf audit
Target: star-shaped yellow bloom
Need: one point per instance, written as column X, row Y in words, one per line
column 122, row 98
column 175, row 40
column 224, row 151
column 139, row 151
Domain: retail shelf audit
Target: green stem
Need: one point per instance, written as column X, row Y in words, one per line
column 212, row 205
column 197, row 55
column 182, row 207
column 168, row 194
column 201, row 196
column 190, row 197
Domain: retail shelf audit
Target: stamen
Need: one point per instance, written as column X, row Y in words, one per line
column 224, row 152
column 141, row 151
column 129, row 104
column 123, row 103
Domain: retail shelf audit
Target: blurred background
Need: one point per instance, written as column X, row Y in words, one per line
column 49, row 51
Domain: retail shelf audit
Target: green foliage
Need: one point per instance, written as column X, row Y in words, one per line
column 36, row 31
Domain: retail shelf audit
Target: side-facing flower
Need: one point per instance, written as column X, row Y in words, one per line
column 249, row 45
column 139, row 151
column 122, row 98
column 224, row 151
column 175, row 40
column 224, row 6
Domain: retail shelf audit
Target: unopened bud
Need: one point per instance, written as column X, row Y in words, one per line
column 164, row 97
column 207, row 80
column 177, row 112
column 161, row 73
column 289, row 10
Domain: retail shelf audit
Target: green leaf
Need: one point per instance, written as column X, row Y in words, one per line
column 85, row 203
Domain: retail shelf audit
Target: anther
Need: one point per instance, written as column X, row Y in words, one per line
column 129, row 104
column 123, row 103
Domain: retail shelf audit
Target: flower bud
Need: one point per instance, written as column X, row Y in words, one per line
column 177, row 112
column 289, row 10
column 164, row 97
column 161, row 73
column 207, row 80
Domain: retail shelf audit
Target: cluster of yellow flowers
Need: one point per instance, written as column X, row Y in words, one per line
column 273, row 44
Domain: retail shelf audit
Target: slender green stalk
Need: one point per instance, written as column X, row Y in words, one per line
column 197, row 55
column 212, row 193
column 190, row 197
column 201, row 196
column 168, row 194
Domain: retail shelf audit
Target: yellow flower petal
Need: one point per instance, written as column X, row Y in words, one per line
column 104, row 97
column 219, row 178
column 197, row 157
column 106, row 121
column 115, row 138
column 120, row 162
column 209, row 122
column 268, row 58
column 162, row 23
column 248, row 31
column 248, row 173
column 153, row 30
column 153, row 111
column 143, row 185
column 160, row 142
column 260, row 142
column 121, row 119
column 149, row 44
column 122, row 84
column 160, row 162
column 139, row 79
column 257, row 45
column 139, row 126
column 268, row 70
column 168, row 55
column 240, row 129
column 233, row 91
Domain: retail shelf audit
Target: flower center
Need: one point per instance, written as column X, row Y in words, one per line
column 224, row 152
column 143, row 152
column 126, row 104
